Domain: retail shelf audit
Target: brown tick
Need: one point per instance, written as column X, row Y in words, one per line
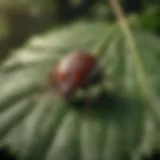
column 75, row 71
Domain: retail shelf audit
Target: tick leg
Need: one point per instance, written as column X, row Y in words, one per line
column 87, row 98
column 88, row 103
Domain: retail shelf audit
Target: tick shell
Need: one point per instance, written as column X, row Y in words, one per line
column 74, row 71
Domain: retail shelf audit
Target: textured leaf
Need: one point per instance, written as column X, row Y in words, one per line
column 120, row 125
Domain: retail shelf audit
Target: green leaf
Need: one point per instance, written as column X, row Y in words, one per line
column 119, row 125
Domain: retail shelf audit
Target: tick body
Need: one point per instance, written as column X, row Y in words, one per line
column 74, row 71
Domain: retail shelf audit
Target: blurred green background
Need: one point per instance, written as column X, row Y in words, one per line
column 20, row 19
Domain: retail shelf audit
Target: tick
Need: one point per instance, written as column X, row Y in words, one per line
column 78, row 70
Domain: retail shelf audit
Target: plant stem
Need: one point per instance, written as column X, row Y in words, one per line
column 142, row 78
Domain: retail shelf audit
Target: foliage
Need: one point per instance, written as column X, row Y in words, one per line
column 122, row 124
